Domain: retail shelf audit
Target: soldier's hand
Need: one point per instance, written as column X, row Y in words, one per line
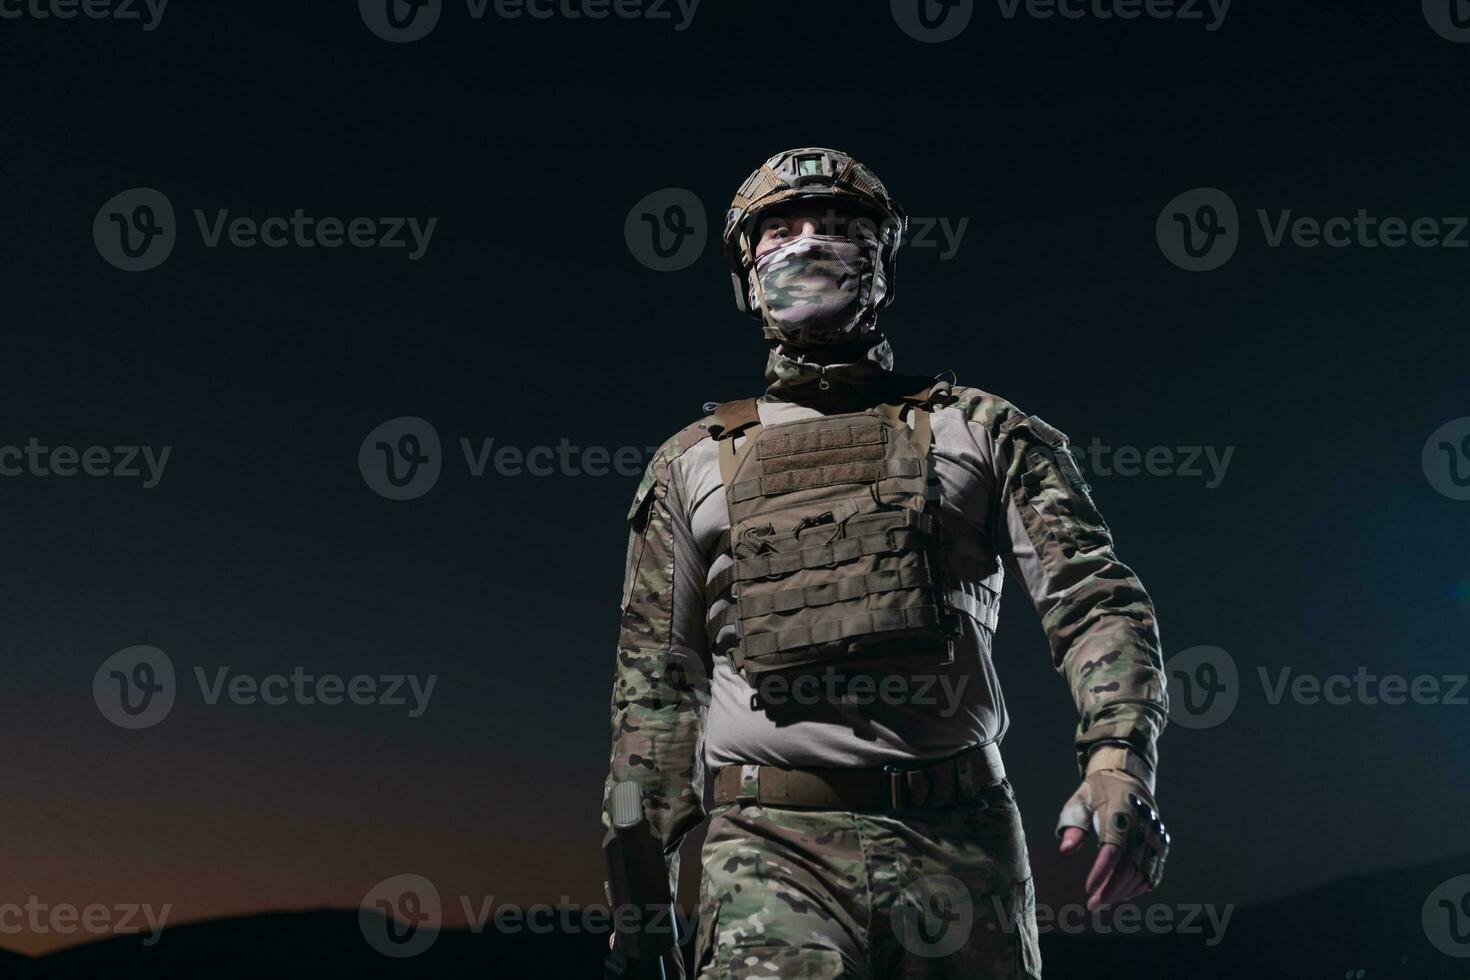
column 1118, row 811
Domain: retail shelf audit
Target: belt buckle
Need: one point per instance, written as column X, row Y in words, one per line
column 906, row 785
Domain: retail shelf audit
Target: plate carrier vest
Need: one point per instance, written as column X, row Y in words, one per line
column 835, row 539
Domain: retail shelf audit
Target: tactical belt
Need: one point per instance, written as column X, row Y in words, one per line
column 890, row 789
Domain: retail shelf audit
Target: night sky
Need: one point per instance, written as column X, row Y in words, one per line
column 528, row 320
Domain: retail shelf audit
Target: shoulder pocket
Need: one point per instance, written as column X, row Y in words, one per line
column 641, row 495
column 1054, row 497
column 637, row 532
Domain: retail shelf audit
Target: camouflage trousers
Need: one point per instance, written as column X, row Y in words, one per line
column 825, row 893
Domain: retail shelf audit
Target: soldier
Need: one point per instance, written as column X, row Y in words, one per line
column 810, row 596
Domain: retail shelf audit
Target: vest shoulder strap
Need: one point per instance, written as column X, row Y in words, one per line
column 733, row 417
column 919, row 402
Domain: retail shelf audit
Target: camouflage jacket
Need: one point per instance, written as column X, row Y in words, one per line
column 1097, row 618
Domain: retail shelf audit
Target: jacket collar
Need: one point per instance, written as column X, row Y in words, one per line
column 837, row 379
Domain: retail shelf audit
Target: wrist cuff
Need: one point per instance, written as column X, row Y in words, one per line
column 1119, row 758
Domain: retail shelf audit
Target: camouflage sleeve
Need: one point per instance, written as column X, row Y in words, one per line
column 660, row 686
column 1098, row 619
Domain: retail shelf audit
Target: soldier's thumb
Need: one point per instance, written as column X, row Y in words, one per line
column 1077, row 813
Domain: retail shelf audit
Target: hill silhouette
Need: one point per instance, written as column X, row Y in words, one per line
column 1370, row 924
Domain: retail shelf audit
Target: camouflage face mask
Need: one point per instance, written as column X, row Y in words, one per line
column 818, row 290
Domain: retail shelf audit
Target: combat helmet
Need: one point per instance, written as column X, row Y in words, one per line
column 810, row 172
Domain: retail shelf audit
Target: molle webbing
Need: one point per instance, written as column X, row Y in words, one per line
column 849, row 470
column 821, row 440
column 852, row 587
column 900, row 530
column 822, row 594
column 834, row 540
column 983, row 609
column 770, row 646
